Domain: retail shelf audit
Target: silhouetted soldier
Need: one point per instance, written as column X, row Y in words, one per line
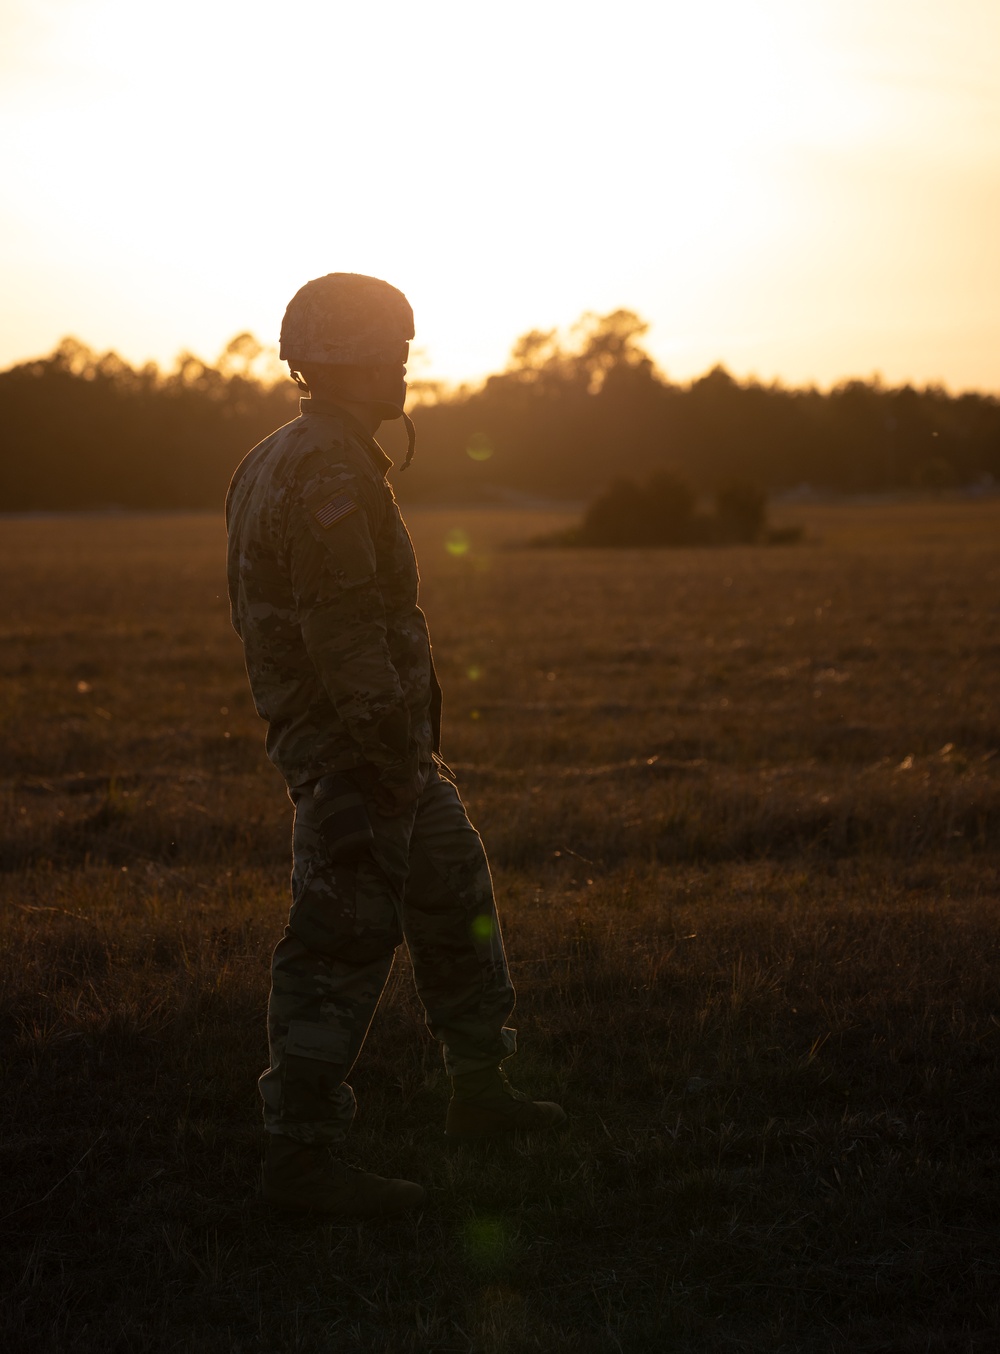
column 323, row 586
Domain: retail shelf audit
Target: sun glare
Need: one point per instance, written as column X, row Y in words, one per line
column 165, row 192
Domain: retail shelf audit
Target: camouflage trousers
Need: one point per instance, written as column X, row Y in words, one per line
column 425, row 880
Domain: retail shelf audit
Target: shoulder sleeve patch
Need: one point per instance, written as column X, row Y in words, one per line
column 340, row 505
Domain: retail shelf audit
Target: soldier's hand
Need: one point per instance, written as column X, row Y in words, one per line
column 392, row 800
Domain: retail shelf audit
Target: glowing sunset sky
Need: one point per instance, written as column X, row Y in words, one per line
column 798, row 188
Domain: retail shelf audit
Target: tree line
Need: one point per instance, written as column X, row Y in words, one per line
column 565, row 418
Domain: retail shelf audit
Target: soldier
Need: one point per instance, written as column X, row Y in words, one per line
column 323, row 587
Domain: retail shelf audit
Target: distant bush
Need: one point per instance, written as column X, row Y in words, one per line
column 658, row 512
column 740, row 512
column 662, row 511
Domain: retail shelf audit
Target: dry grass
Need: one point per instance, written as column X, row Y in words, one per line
column 743, row 807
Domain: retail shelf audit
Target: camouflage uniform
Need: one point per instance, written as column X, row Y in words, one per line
column 323, row 587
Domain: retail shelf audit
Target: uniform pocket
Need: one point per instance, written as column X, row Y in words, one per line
column 341, row 819
column 344, row 912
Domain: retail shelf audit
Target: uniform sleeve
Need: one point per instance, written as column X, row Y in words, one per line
column 331, row 559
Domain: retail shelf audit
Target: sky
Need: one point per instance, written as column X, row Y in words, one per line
column 803, row 190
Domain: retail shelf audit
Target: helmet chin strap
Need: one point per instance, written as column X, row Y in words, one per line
column 411, row 437
column 391, row 411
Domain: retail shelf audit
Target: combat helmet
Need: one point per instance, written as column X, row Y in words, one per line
column 350, row 320
column 346, row 319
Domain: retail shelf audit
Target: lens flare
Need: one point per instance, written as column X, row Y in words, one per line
column 487, row 1242
column 482, row 928
column 457, row 543
column 480, row 447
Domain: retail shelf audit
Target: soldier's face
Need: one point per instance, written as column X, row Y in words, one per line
column 391, row 386
column 382, row 385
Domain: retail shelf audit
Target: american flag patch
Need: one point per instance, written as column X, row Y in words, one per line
column 333, row 510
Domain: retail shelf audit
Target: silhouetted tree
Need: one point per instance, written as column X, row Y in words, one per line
column 87, row 431
column 566, row 416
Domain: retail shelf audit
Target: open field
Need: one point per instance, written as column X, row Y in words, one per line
column 744, row 811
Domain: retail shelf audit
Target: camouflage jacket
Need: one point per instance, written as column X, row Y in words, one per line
column 323, row 589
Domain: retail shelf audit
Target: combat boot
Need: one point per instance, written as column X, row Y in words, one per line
column 300, row 1178
column 485, row 1105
